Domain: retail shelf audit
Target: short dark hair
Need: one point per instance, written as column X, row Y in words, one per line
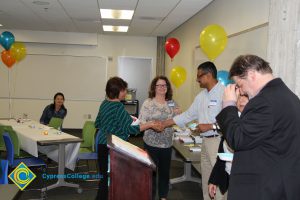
column 244, row 63
column 209, row 67
column 169, row 93
column 114, row 86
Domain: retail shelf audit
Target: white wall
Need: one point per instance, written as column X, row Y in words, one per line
column 234, row 16
column 108, row 46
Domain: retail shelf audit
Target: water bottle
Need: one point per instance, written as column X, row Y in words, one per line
column 59, row 130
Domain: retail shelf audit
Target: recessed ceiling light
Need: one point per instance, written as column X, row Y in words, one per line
column 115, row 28
column 1, row 25
column 116, row 14
column 41, row 3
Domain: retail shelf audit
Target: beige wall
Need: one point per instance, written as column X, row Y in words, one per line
column 234, row 16
column 108, row 46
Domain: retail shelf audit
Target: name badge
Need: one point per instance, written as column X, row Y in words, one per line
column 212, row 103
column 171, row 103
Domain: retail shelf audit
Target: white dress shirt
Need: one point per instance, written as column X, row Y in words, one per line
column 204, row 109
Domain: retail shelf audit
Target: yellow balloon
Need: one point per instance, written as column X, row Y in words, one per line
column 18, row 51
column 178, row 76
column 213, row 40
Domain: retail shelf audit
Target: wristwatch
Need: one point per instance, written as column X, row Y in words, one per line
column 214, row 125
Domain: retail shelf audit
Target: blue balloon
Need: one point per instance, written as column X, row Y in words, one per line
column 223, row 77
column 7, row 39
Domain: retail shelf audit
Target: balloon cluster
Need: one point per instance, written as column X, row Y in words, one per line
column 13, row 51
column 178, row 73
column 213, row 40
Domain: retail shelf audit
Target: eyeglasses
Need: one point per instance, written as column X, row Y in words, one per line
column 161, row 86
column 201, row 75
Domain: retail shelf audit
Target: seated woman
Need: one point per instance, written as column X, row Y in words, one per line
column 56, row 109
column 219, row 176
column 112, row 118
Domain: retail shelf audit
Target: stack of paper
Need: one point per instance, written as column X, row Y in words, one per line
column 192, row 125
column 186, row 132
column 195, row 149
column 176, row 128
column 197, row 139
column 186, row 139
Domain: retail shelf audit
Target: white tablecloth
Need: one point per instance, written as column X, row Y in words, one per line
column 30, row 132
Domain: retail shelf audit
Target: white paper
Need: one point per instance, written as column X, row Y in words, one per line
column 226, row 156
column 195, row 149
column 197, row 139
column 186, row 139
column 135, row 121
column 131, row 150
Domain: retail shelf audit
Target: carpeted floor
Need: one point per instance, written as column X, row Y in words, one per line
column 180, row 191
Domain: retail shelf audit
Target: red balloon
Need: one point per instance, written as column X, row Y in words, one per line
column 172, row 47
column 7, row 59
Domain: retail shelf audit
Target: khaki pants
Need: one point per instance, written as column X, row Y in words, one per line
column 209, row 152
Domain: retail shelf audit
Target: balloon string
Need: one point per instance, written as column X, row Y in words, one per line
column 9, row 94
column 173, row 86
column 15, row 78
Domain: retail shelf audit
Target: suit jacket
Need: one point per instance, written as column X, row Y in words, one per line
column 266, row 141
column 218, row 175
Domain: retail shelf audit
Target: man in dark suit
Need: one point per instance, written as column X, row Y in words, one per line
column 266, row 137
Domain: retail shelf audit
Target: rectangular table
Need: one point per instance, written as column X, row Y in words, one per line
column 188, row 158
column 31, row 134
column 9, row 191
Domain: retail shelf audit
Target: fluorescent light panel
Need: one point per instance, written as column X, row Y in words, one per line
column 115, row 28
column 116, row 14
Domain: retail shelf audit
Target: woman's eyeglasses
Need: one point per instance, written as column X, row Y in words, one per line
column 161, row 86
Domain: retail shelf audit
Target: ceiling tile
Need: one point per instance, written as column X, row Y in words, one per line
column 81, row 10
column 155, row 8
column 53, row 14
column 142, row 27
column 184, row 11
column 14, row 15
column 115, row 22
column 154, row 17
column 118, row 4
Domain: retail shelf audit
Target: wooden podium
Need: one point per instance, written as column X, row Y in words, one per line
column 131, row 170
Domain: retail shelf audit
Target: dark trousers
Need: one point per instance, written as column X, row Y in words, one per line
column 103, row 167
column 162, row 160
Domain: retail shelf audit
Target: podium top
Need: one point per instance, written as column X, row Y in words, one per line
column 130, row 150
